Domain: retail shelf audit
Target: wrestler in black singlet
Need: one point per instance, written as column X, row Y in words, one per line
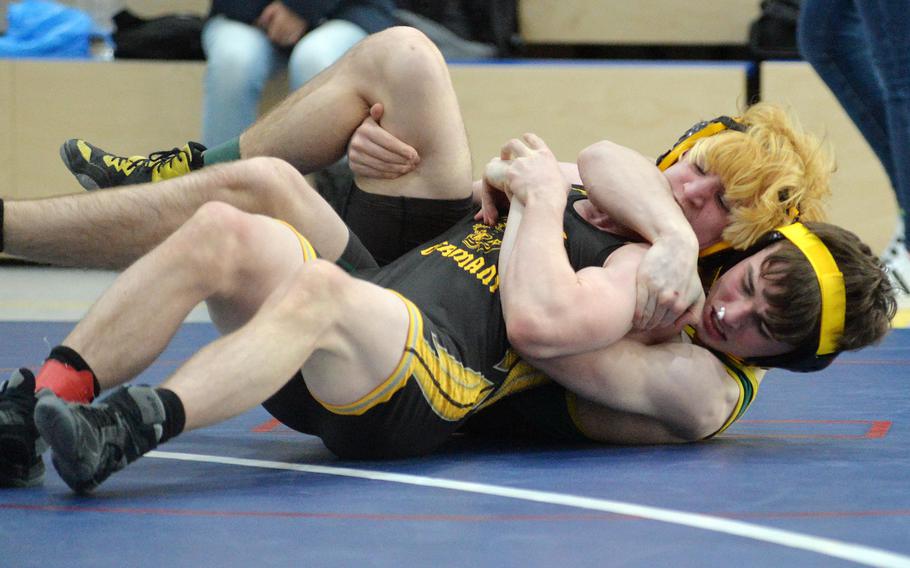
column 458, row 357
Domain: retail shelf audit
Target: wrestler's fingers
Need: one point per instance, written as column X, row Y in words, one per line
column 362, row 170
column 404, row 156
column 487, row 204
column 667, row 309
column 533, row 141
column 692, row 316
column 514, row 148
column 495, row 174
column 385, row 145
column 376, row 111
column 644, row 305
column 362, row 161
column 665, row 316
column 657, row 314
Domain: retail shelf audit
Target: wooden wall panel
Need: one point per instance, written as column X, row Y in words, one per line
column 137, row 107
column 126, row 107
column 694, row 22
column 646, row 107
column 147, row 9
column 7, row 104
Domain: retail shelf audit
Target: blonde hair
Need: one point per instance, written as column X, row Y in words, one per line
column 767, row 170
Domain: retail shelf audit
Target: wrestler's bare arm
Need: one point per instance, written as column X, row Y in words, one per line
column 550, row 309
column 636, row 194
column 635, row 393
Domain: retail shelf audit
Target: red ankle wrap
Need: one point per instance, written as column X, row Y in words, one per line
column 66, row 382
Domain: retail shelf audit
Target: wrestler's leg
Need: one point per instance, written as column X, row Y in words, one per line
column 232, row 259
column 111, row 229
column 347, row 335
column 400, row 68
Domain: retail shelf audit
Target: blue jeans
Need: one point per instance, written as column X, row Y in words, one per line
column 241, row 59
column 861, row 50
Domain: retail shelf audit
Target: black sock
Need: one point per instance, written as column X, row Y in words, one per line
column 68, row 356
column 1, row 224
column 174, row 415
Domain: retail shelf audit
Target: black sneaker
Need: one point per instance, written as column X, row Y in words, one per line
column 90, row 443
column 20, row 445
column 97, row 169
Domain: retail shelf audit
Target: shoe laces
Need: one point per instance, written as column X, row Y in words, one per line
column 155, row 161
column 166, row 158
column 99, row 416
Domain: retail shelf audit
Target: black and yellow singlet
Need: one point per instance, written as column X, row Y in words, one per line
column 457, row 358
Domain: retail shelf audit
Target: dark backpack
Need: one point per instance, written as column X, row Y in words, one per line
column 176, row 36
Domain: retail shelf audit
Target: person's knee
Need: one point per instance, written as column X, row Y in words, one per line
column 215, row 242
column 266, row 185
column 403, row 38
column 318, row 285
column 234, row 67
column 408, row 54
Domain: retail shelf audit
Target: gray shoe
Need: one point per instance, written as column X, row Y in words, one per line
column 90, row 443
column 20, row 445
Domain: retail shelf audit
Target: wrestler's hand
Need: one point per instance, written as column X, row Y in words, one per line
column 532, row 170
column 283, row 26
column 493, row 191
column 374, row 152
column 668, row 287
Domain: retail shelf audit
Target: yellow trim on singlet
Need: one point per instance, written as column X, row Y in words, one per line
column 520, row 376
column 309, row 253
column 451, row 390
column 748, row 381
column 746, row 377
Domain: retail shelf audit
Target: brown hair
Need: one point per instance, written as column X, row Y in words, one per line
column 794, row 297
column 767, row 169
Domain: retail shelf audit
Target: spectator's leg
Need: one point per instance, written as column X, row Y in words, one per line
column 240, row 59
column 320, row 48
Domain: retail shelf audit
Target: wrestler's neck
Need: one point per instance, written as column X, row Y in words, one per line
column 601, row 220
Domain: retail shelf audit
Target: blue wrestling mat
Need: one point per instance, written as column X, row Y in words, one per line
column 814, row 475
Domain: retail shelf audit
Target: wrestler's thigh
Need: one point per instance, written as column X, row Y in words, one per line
column 365, row 347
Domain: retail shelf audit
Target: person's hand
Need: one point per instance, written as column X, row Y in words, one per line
column 494, row 191
column 374, row 152
column 531, row 169
column 668, row 289
column 283, row 26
